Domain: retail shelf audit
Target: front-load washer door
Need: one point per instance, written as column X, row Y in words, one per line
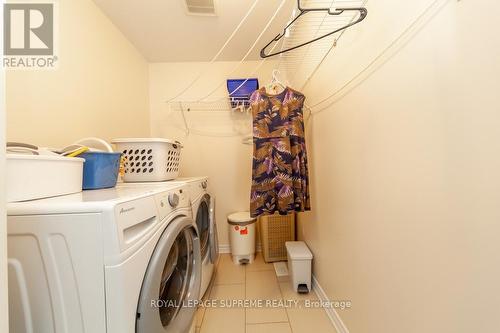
column 213, row 239
column 171, row 285
column 203, row 225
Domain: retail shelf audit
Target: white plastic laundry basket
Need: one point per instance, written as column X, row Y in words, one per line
column 30, row 177
column 149, row 159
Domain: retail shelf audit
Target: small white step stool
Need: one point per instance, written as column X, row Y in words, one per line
column 299, row 266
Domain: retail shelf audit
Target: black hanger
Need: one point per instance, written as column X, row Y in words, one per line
column 362, row 14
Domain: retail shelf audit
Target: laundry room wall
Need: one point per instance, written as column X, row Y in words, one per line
column 213, row 146
column 4, row 305
column 405, row 167
column 99, row 89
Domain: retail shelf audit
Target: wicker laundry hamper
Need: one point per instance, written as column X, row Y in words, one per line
column 275, row 230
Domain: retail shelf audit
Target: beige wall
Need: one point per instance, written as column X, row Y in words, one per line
column 4, row 307
column 100, row 88
column 214, row 146
column 405, row 173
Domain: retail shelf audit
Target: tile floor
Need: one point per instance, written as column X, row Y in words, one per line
column 257, row 281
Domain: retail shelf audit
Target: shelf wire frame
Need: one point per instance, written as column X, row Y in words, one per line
column 296, row 66
column 300, row 64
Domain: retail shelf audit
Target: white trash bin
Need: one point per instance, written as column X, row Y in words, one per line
column 242, row 237
column 299, row 266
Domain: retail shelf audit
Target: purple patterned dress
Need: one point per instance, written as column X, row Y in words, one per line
column 280, row 179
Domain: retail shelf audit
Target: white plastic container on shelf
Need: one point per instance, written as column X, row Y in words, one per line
column 299, row 266
column 242, row 237
column 149, row 159
column 31, row 177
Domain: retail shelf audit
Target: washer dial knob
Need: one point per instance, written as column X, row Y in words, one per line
column 173, row 200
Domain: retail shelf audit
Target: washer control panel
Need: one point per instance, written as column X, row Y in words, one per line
column 170, row 200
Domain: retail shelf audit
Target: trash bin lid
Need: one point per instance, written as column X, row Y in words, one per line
column 241, row 218
column 298, row 250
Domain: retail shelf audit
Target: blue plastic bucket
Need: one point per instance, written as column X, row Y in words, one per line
column 100, row 169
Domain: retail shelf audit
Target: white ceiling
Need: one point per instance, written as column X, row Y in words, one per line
column 163, row 32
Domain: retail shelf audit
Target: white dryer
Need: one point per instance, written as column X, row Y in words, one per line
column 119, row 260
column 203, row 211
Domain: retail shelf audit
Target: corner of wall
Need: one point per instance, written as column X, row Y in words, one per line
column 4, row 308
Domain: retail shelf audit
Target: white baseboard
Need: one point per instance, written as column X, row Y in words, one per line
column 226, row 248
column 330, row 311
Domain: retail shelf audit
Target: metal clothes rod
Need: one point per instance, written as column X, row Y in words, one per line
column 363, row 12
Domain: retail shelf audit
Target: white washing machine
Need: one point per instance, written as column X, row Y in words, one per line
column 203, row 210
column 119, row 260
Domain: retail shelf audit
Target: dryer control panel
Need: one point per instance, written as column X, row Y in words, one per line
column 198, row 188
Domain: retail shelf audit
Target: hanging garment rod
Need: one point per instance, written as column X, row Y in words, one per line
column 363, row 12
